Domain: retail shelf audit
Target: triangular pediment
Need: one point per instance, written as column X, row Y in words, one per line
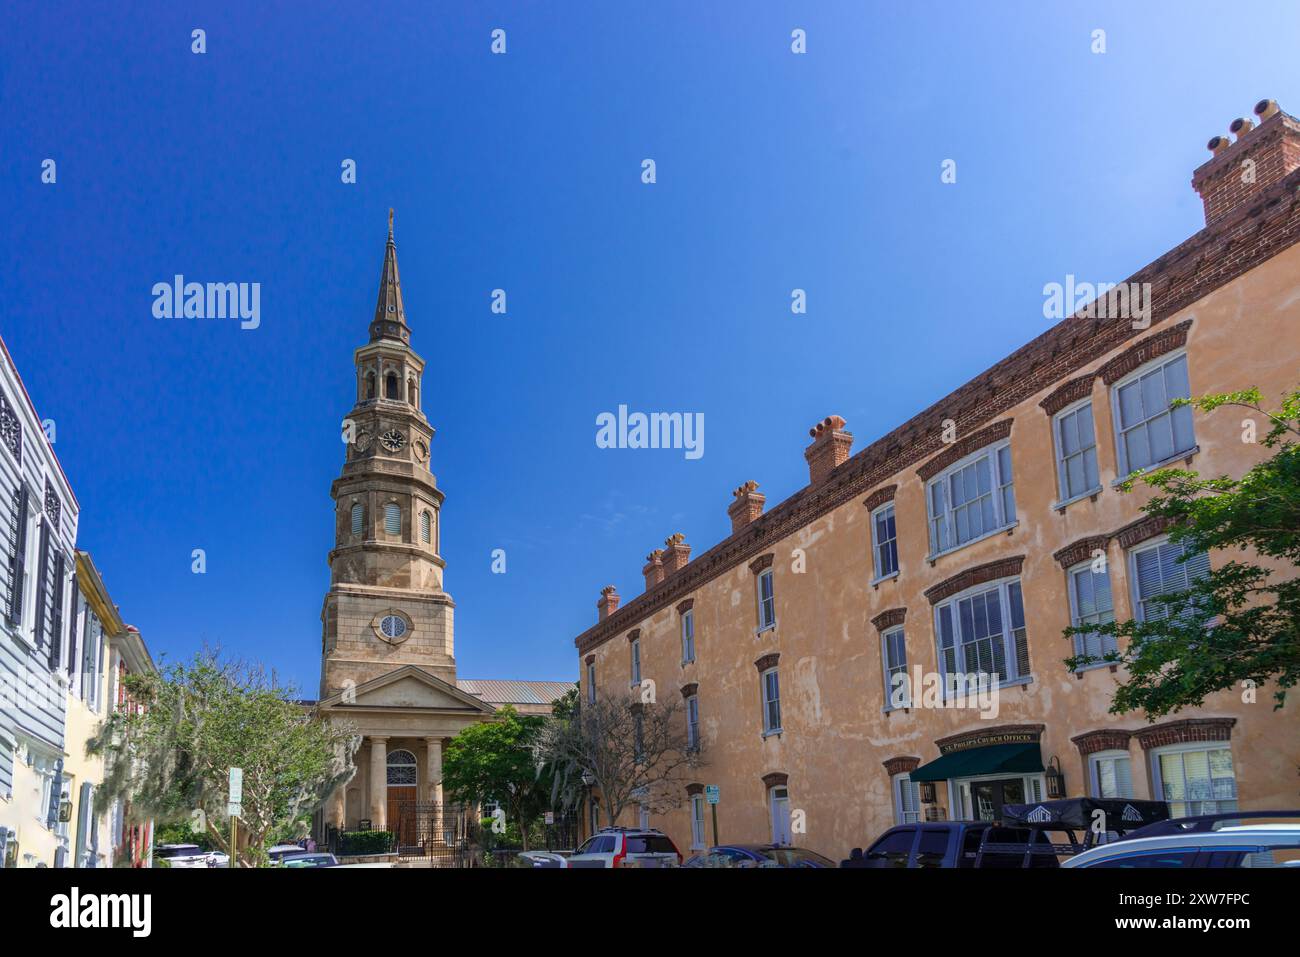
column 408, row 687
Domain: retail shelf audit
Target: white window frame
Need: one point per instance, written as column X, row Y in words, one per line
column 766, row 622
column 688, row 636
column 693, row 722
column 903, row 783
column 31, row 571
column 643, row 816
column 1002, row 585
column 1065, row 495
column 636, row 662
column 1123, row 467
column 1108, row 642
column 960, row 798
column 890, row 670
column 768, row 727
column 999, row 486
column 778, row 797
column 698, row 838
column 1094, row 772
column 876, row 543
column 1157, row 779
column 1149, row 545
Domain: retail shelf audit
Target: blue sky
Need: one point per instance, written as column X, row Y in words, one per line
column 775, row 171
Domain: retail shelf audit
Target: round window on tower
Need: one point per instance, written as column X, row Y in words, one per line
column 392, row 626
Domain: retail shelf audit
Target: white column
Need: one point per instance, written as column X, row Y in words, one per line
column 379, row 783
column 433, row 749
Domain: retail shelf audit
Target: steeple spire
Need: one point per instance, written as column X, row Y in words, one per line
column 390, row 314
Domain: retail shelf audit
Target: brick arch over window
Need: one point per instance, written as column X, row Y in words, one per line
column 970, row 577
column 1186, row 731
column 1152, row 347
column 1106, row 739
column 889, row 619
column 1072, row 391
column 694, row 788
column 964, row 447
column 690, row 689
column 685, row 606
column 762, row 563
column 767, row 661
column 776, row 779
column 903, row 764
column 879, row 497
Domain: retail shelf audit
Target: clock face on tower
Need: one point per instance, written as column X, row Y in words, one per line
column 393, row 440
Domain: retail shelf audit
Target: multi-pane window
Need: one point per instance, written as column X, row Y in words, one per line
column 426, row 527
column 1157, row 570
column 771, row 701
column 591, row 682
column 983, row 632
column 971, row 499
column 766, row 601
column 1090, row 604
column 894, row 655
column 1197, row 780
column 688, row 636
column 358, row 518
column 1112, row 774
column 907, row 800
column 779, row 801
column 636, row 661
column 884, row 539
column 393, row 518
column 697, row 820
column 693, row 722
column 1147, row 430
column 1076, row 452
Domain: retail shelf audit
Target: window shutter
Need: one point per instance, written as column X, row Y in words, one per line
column 83, row 825
column 56, row 621
column 18, row 560
column 56, row 793
column 42, row 583
column 393, row 519
column 1147, row 571
column 358, row 518
column 93, row 855
column 1197, row 566
column 425, row 530
column 72, row 623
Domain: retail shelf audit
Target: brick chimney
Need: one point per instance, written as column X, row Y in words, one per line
column 654, row 568
column 747, row 506
column 1261, row 156
column 676, row 554
column 608, row 603
column 830, row 448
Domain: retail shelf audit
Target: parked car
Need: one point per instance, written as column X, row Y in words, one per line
column 308, row 859
column 758, row 855
column 1208, row 840
column 278, row 852
column 182, row 855
column 535, row 859
column 627, row 847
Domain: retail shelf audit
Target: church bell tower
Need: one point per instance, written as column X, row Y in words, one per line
column 386, row 607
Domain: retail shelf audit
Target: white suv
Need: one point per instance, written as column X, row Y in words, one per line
column 1211, row 840
column 627, row 847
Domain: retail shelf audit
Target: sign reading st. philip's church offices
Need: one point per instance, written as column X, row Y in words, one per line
column 993, row 737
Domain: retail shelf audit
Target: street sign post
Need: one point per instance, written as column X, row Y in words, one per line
column 712, row 794
column 233, row 801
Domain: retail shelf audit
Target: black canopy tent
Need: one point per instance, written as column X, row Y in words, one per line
column 1081, row 814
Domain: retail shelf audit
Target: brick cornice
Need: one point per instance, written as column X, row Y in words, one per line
column 978, row 575
column 1135, row 533
column 889, row 619
column 904, row 764
column 761, row 563
column 1185, row 731
column 768, row 661
column 879, row 497
column 1080, row 550
column 1213, row 257
column 1071, row 392
column 964, row 447
column 1152, row 347
column 776, row 779
column 1105, row 739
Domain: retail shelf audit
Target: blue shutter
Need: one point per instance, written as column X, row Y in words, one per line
column 56, row 793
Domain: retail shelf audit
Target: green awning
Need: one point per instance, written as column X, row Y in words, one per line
column 990, row 759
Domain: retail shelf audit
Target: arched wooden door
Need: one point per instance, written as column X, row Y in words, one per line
column 402, row 780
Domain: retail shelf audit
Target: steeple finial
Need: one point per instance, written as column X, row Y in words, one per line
column 390, row 224
column 390, row 313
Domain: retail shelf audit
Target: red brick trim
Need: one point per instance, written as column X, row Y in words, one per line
column 1135, row 533
column 1080, row 550
column 879, row 497
column 690, row 689
column 1107, row 739
column 590, row 659
column 685, row 606
column 767, row 661
column 633, row 635
column 694, row 789
column 1068, row 394
column 890, row 618
column 776, row 779
column 963, row 736
column 1215, row 256
column 970, row 577
column 1185, row 731
column 964, row 447
column 901, row 765
column 1152, row 347
column 761, row 563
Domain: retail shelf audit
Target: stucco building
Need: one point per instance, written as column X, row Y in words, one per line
column 966, row 540
column 388, row 660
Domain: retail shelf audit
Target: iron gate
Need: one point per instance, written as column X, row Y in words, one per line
column 437, row 833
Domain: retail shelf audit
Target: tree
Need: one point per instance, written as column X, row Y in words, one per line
column 631, row 751
column 1239, row 625
column 172, row 756
column 493, row 761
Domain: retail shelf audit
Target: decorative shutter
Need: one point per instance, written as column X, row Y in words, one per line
column 93, row 859
column 18, row 560
column 56, row 794
column 83, row 824
column 72, row 623
column 56, row 620
column 42, row 584
column 87, row 646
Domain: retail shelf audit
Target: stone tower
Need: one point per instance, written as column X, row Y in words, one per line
column 386, row 607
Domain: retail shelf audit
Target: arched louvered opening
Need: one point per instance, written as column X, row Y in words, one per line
column 426, row 527
column 358, row 518
column 393, row 519
column 391, row 390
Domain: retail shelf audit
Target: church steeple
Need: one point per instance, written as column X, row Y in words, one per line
column 390, row 314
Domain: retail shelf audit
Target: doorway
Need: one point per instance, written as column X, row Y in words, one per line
column 982, row 799
column 402, row 778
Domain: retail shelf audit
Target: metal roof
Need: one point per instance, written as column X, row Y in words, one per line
column 495, row 691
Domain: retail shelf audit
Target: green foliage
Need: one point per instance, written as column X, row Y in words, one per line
column 1239, row 626
column 198, row 720
column 366, row 842
column 493, row 761
column 181, row 832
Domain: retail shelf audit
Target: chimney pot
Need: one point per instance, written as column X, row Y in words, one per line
column 747, row 507
column 654, row 568
column 676, row 553
column 1218, row 144
column 829, row 449
column 1240, row 127
column 608, row 603
column 1264, row 109
column 1261, row 157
